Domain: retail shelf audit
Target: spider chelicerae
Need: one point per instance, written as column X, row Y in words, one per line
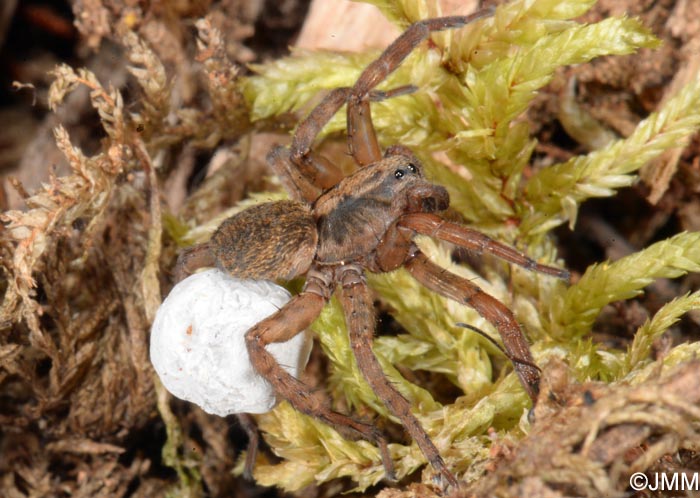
column 332, row 232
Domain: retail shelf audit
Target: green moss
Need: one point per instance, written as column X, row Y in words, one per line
column 484, row 76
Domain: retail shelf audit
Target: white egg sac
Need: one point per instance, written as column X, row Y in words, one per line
column 198, row 342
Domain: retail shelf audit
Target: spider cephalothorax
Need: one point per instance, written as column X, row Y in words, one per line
column 354, row 216
column 333, row 231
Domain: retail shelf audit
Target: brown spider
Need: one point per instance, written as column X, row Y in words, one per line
column 333, row 231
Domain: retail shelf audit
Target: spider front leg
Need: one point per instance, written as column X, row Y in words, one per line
column 305, row 174
column 362, row 138
column 319, row 170
column 294, row 317
column 434, row 226
column 463, row 291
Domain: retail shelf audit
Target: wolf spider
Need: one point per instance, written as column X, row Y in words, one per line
column 333, row 231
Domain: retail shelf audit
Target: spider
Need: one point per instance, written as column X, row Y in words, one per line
column 334, row 231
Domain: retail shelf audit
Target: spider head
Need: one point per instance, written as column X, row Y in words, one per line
column 409, row 186
column 353, row 216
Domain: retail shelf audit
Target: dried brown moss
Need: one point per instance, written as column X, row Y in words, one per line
column 83, row 259
column 588, row 439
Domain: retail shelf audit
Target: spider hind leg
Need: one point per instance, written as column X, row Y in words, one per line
column 294, row 317
column 359, row 315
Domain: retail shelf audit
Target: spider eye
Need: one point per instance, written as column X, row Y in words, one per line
column 412, row 167
column 399, row 173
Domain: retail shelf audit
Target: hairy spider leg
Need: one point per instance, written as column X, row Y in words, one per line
column 251, row 429
column 192, row 259
column 434, row 226
column 305, row 174
column 298, row 185
column 290, row 320
column 463, row 291
column 494, row 342
column 318, row 169
column 362, row 138
column 359, row 316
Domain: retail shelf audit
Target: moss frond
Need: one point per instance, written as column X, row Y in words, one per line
column 314, row 452
column 404, row 12
column 151, row 77
column 84, row 193
column 512, row 80
column 223, row 84
column 493, row 148
column 670, row 313
column 106, row 101
column 601, row 284
column 113, row 191
column 186, row 466
column 289, row 83
column 555, row 193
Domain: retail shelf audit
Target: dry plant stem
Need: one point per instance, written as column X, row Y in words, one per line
column 359, row 316
column 587, row 444
column 150, row 287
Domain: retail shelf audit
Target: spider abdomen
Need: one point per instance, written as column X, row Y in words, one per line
column 270, row 241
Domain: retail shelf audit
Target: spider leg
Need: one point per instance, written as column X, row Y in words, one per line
column 306, row 174
column 294, row 317
column 463, row 291
column 193, row 258
column 362, row 139
column 317, row 167
column 359, row 315
column 434, row 226
column 248, row 424
column 319, row 170
column 295, row 182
